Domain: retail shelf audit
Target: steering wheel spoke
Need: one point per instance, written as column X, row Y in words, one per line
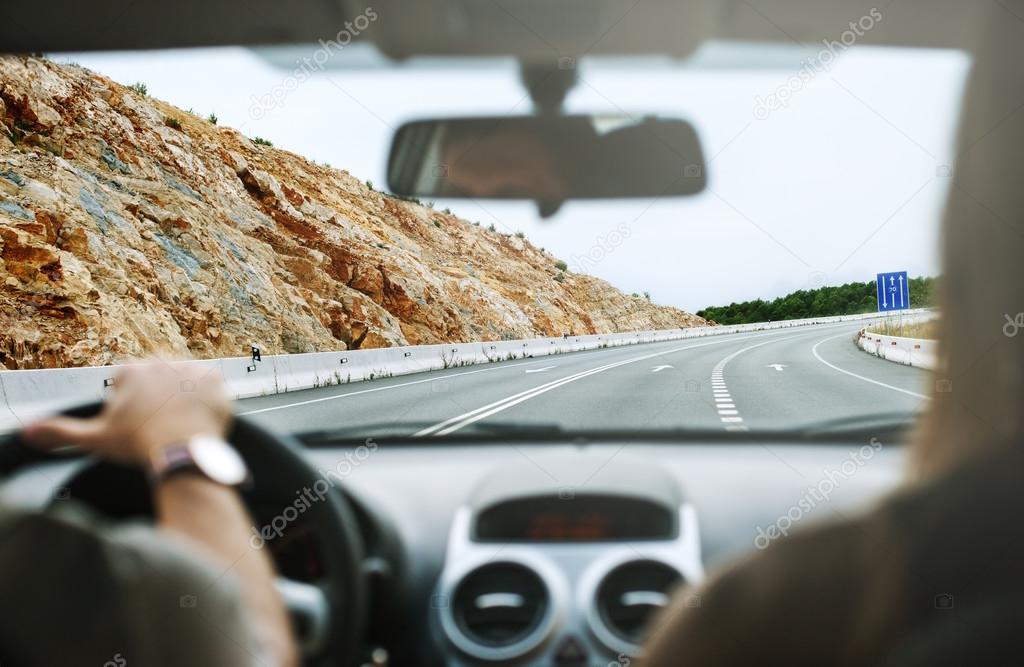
column 310, row 613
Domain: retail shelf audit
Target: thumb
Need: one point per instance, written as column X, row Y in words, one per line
column 56, row 431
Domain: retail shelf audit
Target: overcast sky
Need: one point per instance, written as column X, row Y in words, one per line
column 844, row 181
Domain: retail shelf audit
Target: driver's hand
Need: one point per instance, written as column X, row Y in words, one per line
column 152, row 404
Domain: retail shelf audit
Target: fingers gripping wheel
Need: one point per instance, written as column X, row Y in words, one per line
column 279, row 472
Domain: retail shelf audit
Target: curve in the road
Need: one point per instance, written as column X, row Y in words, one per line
column 814, row 351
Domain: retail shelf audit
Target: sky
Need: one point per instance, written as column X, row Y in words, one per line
column 816, row 175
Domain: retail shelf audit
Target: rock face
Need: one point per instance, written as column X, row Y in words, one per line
column 130, row 227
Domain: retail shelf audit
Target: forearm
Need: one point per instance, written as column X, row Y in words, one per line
column 214, row 517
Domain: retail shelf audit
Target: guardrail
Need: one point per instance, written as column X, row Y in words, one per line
column 28, row 394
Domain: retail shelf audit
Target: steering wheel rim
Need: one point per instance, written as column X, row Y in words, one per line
column 277, row 466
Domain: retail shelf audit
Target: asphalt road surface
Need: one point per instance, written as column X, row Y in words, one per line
column 761, row 380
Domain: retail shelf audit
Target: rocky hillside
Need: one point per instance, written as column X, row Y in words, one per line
column 128, row 226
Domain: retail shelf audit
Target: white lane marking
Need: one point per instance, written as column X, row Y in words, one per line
column 658, row 369
column 460, row 421
column 730, row 416
column 334, row 397
column 390, row 386
column 814, row 351
column 777, row 367
column 727, row 406
column 736, row 428
column 539, row 370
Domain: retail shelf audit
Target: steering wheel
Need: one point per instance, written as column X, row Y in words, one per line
column 330, row 614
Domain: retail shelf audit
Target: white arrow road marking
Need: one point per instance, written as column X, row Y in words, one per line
column 777, row 367
column 658, row 369
column 539, row 370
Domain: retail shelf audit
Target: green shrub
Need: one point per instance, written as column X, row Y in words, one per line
column 560, row 277
column 212, row 118
column 562, row 266
column 520, row 235
column 260, row 141
column 172, row 123
column 437, row 223
column 139, row 88
column 490, row 227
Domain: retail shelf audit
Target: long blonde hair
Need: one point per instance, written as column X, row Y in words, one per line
column 977, row 402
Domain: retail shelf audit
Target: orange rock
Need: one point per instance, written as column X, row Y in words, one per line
column 198, row 242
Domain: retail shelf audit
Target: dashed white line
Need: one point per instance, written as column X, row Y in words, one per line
column 727, row 411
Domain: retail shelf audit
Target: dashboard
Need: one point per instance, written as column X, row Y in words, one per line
column 543, row 553
column 540, row 572
column 553, row 553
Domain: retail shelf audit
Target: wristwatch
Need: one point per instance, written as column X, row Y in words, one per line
column 208, row 455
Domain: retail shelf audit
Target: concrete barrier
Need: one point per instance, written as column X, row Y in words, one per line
column 918, row 352
column 29, row 394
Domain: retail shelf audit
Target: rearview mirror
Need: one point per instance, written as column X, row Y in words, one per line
column 549, row 159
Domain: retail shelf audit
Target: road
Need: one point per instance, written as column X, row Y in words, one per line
column 747, row 381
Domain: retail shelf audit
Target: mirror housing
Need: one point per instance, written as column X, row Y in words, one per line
column 547, row 158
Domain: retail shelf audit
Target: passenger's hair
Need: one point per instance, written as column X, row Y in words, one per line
column 977, row 404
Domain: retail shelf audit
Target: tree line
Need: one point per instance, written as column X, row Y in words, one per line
column 848, row 299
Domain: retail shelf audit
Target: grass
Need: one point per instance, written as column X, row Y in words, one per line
column 260, row 141
column 212, row 118
column 139, row 88
column 926, row 330
column 172, row 123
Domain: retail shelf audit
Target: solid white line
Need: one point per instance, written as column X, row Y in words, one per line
column 390, row 386
column 814, row 351
column 527, row 393
column 728, row 412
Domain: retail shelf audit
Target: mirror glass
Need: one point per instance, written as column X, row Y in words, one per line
column 549, row 159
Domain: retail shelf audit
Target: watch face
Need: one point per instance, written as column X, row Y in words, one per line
column 218, row 460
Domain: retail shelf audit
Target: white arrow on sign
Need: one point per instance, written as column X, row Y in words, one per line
column 658, row 369
column 540, row 370
column 777, row 367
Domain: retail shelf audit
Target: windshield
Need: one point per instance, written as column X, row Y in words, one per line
column 233, row 204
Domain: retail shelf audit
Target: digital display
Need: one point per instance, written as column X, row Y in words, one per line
column 576, row 519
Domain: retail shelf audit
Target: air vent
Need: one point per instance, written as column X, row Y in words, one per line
column 631, row 593
column 500, row 604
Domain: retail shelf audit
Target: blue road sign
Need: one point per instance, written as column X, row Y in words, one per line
column 893, row 291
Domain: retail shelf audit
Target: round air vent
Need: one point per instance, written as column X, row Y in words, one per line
column 500, row 605
column 630, row 593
